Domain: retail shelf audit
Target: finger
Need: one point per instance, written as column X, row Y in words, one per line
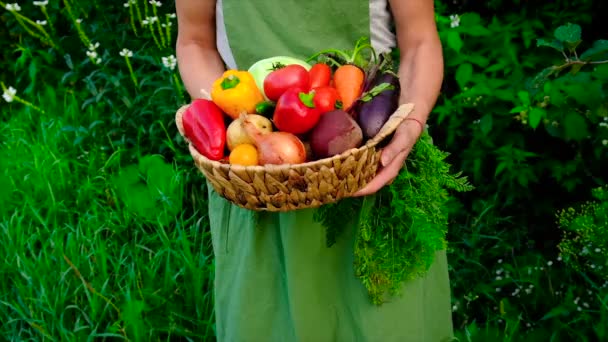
column 384, row 177
column 396, row 146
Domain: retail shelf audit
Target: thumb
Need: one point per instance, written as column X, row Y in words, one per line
column 396, row 146
column 390, row 151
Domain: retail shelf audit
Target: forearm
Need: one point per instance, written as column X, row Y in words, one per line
column 198, row 67
column 421, row 74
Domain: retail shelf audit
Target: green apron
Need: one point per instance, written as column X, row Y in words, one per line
column 275, row 279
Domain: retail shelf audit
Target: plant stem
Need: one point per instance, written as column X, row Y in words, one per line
column 133, row 77
column 132, row 18
column 160, row 29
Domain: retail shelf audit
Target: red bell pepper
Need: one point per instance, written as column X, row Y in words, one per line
column 204, row 126
column 296, row 112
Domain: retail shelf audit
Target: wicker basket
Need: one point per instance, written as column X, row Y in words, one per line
column 291, row 187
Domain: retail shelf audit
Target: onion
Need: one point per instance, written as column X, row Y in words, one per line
column 275, row 147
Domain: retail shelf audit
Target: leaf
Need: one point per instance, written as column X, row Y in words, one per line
column 485, row 124
column 68, row 61
column 586, row 93
column 478, row 60
column 538, row 81
column 599, row 49
column 601, row 72
column 575, row 127
column 555, row 312
column 556, row 44
column 518, row 109
column 476, row 31
column 536, row 115
column 454, row 41
column 464, row 73
column 570, row 34
column 500, row 168
column 524, row 96
column 470, row 19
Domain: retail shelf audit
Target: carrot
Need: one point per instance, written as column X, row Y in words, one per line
column 350, row 76
column 348, row 81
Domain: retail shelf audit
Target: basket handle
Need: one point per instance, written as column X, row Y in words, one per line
column 392, row 123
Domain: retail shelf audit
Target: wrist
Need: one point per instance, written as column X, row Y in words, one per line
column 414, row 126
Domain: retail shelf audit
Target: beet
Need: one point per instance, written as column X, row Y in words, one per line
column 336, row 132
column 373, row 114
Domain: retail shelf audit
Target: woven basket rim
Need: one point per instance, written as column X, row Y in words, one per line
column 388, row 128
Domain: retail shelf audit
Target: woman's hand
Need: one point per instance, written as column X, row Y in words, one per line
column 393, row 156
column 420, row 74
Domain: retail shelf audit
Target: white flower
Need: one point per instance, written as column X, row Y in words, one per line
column 9, row 94
column 549, row 263
column 13, row 7
column 98, row 60
column 603, row 124
column 127, row 4
column 92, row 54
column 167, row 24
column 41, row 22
column 454, row 20
column 126, row 52
column 149, row 20
column 171, row 15
column 605, row 142
column 78, row 21
column 93, row 47
column 41, row 3
column 155, row 3
column 169, row 62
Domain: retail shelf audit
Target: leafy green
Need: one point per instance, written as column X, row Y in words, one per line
column 401, row 227
column 585, row 243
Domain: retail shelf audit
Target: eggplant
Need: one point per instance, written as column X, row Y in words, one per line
column 372, row 114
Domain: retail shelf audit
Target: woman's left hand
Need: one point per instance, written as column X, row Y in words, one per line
column 393, row 156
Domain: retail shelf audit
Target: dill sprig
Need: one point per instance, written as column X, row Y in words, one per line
column 401, row 227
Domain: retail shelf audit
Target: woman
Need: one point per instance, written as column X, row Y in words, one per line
column 276, row 281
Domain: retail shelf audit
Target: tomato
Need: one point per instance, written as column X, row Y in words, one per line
column 244, row 154
column 320, row 75
column 290, row 76
column 295, row 112
column 326, row 99
column 260, row 69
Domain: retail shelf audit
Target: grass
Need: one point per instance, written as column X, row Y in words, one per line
column 86, row 253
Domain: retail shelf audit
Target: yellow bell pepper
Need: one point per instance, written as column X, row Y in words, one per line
column 236, row 92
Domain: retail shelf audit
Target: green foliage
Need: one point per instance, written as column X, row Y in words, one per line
column 585, row 243
column 528, row 124
column 401, row 227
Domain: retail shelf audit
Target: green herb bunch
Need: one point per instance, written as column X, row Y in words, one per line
column 585, row 243
column 402, row 226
